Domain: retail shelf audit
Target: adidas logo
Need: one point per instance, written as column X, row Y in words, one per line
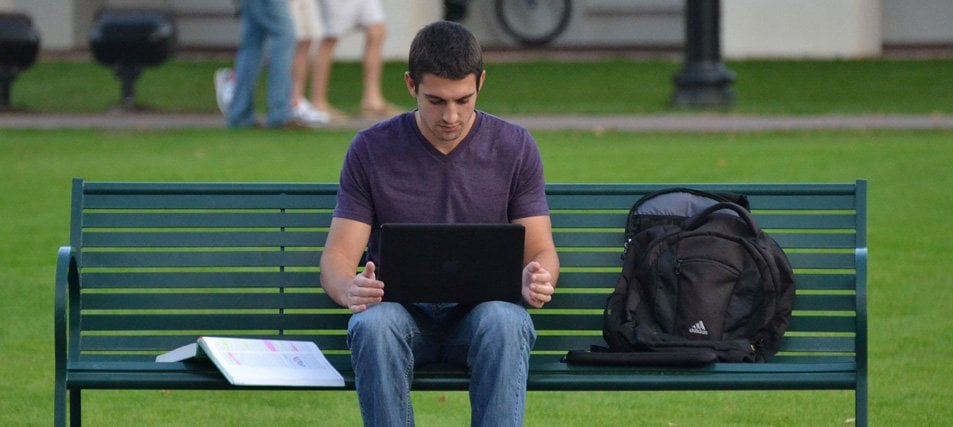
column 698, row 328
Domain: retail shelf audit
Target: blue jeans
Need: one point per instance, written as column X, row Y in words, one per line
column 263, row 20
column 492, row 339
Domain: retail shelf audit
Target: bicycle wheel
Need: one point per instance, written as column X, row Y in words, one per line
column 534, row 22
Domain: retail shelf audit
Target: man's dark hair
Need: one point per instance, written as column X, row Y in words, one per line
column 445, row 49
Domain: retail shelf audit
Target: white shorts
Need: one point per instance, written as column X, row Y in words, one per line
column 304, row 13
column 341, row 16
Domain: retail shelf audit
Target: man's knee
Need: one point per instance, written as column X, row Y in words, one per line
column 380, row 322
column 505, row 320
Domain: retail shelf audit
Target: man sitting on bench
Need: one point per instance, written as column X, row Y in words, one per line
column 445, row 162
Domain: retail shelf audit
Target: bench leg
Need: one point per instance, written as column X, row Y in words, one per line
column 75, row 408
column 860, row 403
column 59, row 405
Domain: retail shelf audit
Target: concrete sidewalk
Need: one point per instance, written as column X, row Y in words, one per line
column 643, row 123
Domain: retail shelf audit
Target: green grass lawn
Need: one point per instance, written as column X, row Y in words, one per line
column 910, row 242
column 602, row 87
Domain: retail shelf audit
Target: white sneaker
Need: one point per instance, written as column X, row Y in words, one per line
column 306, row 113
column 224, row 88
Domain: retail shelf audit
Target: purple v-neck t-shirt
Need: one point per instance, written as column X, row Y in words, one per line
column 392, row 174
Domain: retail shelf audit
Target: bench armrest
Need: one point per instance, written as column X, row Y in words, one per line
column 67, row 280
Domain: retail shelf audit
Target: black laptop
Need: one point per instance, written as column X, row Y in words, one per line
column 451, row 263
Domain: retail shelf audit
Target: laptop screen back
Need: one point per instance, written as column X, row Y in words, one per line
column 462, row 263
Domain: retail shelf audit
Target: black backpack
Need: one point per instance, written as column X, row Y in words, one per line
column 699, row 276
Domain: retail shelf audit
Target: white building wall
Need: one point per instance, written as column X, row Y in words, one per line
column 54, row 20
column 801, row 28
column 602, row 23
column 750, row 28
column 65, row 24
column 921, row 22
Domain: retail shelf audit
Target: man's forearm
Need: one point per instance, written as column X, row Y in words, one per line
column 336, row 276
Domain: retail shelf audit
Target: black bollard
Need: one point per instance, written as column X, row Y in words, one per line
column 128, row 41
column 703, row 81
column 19, row 44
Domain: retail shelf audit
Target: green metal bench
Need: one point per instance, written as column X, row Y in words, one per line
column 152, row 266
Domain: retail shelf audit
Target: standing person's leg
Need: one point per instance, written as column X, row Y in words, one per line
column 323, row 62
column 299, row 70
column 494, row 340
column 305, row 14
column 372, row 19
column 281, row 42
column 241, row 110
column 336, row 18
column 372, row 98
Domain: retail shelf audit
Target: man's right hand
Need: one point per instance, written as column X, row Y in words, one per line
column 365, row 290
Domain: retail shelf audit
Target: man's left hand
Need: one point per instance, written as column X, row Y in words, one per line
column 537, row 285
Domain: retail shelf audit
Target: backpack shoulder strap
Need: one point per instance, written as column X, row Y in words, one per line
column 642, row 358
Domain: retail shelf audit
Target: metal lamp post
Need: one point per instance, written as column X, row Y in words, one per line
column 703, row 81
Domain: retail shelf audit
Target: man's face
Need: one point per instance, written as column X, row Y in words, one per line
column 445, row 108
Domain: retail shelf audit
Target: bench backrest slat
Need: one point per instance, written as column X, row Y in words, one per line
column 218, row 220
column 179, row 279
column 163, row 263
column 211, row 259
